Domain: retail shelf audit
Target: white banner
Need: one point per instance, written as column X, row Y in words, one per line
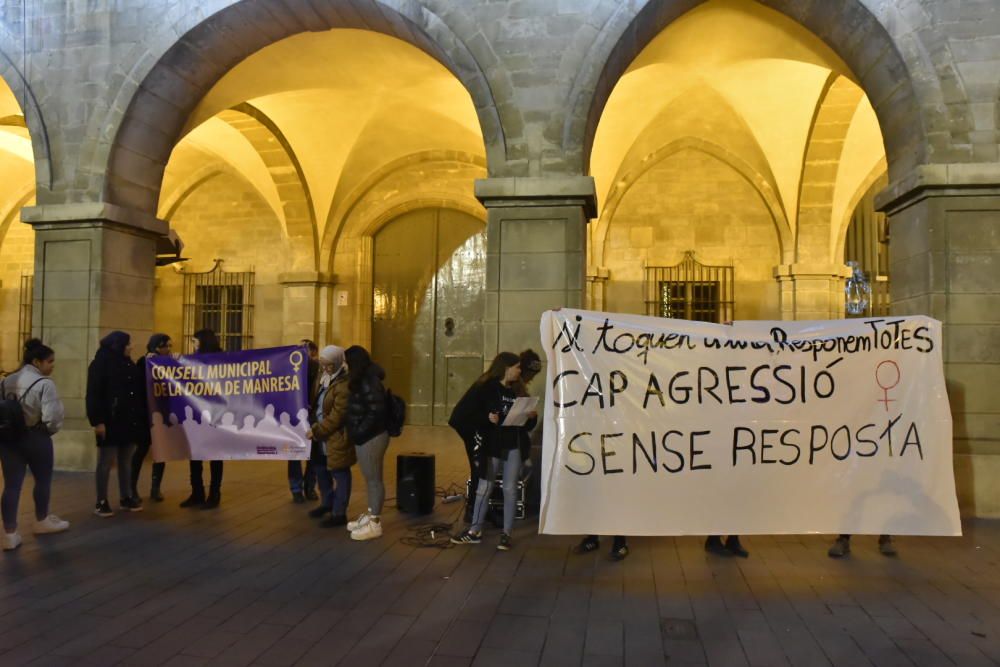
column 668, row 427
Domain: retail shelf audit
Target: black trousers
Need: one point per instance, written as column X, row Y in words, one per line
column 215, row 477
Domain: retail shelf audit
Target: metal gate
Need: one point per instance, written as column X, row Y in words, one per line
column 690, row 290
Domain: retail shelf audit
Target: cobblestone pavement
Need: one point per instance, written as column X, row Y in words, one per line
column 257, row 582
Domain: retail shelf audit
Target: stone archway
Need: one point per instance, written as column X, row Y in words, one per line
column 33, row 119
column 158, row 107
column 847, row 26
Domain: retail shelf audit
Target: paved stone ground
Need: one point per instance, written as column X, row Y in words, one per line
column 256, row 582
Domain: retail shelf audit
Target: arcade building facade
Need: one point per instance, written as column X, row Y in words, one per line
column 426, row 177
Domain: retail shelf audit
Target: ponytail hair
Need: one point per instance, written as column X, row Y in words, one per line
column 36, row 350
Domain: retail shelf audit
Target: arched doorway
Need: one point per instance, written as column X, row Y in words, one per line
column 429, row 279
column 745, row 152
column 284, row 172
column 17, row 240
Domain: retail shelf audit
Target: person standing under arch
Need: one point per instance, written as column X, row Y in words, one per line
column 493, row 394
column 159, row 345
column 33, row 388
column 119, row 417
column 205, row 342
column 329, row 435
column 366, row 428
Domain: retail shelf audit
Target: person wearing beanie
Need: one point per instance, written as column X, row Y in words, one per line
column 116, row 411
column 333, row 453
column 159, row 344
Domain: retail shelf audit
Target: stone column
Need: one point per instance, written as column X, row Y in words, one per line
column 306, row 305
column 536, row 254
column 811, row 291
column 94, row 272
column 944, row 256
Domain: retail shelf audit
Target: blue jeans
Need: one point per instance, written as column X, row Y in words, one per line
column 511, row 473
column 334, row 487
column 299, row 482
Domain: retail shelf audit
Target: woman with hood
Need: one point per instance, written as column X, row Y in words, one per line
column 328, row 433
column 205, row 342
column 118, row 415
column 366, row 428
column 159, row 345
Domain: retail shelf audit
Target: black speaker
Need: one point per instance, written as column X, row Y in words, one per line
column 415, row 483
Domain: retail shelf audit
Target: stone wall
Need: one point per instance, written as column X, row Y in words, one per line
column 226, row 218
column 693, row 201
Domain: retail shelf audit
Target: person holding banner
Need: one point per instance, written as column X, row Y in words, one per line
column 366, row 428
column 333, row 472
column 205, row 342
column 159, row 344
column 32, row 387
column 495, row 394
column 119, row 417
column 302, row 485
column 842, row 546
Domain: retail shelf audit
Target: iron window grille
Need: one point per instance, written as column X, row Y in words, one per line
column 26, row 297
column 690, row 290
column 222, row 301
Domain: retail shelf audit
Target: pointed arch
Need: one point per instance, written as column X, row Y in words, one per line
column 168, row 82
column 756, row 180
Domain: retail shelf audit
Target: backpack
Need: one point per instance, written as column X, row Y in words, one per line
column 12, row 424
column 395, row 413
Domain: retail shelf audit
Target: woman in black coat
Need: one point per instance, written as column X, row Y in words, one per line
column 116, row 411
column 206, row 342
column 366, row 428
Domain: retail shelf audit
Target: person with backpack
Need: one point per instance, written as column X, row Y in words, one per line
column 490, row 399
column 367, row 429
column 159, row 345
column 328, row 433
column 30, row 414
column 205, row 342
column 116, row 411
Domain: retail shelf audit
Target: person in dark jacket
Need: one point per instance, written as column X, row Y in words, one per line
column 116, row 411
column 206, row 342
column 493, row 395
column 159, row 344
column 366, row 428
column 303, row 484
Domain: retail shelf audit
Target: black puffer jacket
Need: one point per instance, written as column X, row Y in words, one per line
column 115, row 397
column 366, row 416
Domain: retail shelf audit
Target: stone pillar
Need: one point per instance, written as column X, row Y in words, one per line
column 536, row 254
column 306, row 304
column 944, row 256
column 811, row 291
column 94, row 272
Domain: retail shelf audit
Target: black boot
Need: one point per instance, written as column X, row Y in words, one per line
column 587, row 544
column 734, row 547
column 196, row 499
column 154, row 492
column 713, row 545
column 213, row 500
column 619, row 548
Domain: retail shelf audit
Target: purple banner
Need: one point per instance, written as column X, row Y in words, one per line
column 229, row 405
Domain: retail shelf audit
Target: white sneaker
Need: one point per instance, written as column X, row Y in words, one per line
column 369, row 531
column 11, row 541
column 359, row 522
column 51, row 524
